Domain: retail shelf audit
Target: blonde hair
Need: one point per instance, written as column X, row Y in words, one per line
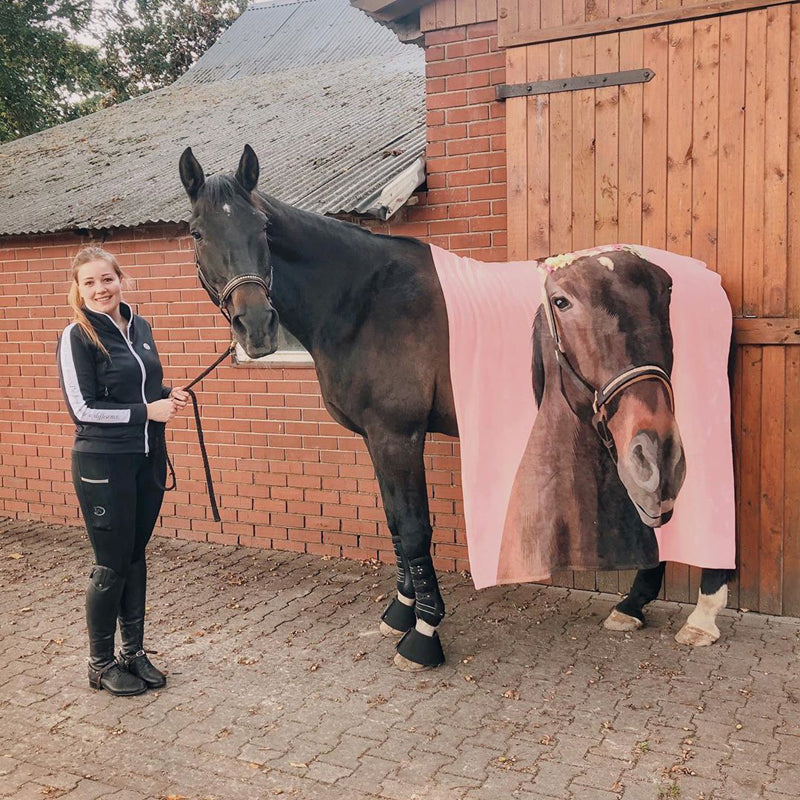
column 84, row 256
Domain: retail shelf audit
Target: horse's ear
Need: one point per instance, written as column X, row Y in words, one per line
column 537, row 367
column 192, row 175
column 247, row 174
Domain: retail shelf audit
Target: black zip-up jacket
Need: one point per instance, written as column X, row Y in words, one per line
column 107, row 395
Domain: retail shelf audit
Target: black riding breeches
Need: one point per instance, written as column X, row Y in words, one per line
column 120, row 497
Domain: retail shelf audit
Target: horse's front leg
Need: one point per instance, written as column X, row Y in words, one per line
column 401, row 475
column 628, row 615
column 700, row 628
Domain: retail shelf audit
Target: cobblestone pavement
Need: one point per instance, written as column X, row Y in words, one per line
column 280, row 685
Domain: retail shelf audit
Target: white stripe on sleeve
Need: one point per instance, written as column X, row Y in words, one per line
column 72, row 389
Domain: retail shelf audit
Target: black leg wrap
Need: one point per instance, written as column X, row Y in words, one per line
column 404, row 583
column 429, row 605
column 421, row 649
column 645, row 589
column 399, row 616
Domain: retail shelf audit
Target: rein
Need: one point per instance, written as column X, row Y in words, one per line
column 600, row 398
column 200, row 438
column 219, row 299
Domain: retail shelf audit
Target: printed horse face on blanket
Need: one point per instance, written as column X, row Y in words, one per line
column 609, row 319
column 604, row 461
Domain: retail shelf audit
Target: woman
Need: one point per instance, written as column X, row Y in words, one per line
column 111, row 377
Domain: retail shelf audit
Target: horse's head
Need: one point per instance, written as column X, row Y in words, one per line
column 229, row 226
column 609, row 319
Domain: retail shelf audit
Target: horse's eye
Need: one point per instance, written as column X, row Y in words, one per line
column 196, row 235
column 561, row 303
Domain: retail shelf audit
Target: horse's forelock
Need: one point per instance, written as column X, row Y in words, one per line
column 220, row 189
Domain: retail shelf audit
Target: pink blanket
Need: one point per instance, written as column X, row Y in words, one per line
column 491, row 308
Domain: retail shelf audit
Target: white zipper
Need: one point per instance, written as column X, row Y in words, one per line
column 144, row 376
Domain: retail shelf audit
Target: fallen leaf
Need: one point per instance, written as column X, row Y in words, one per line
column 298, row 764
column 15, row 555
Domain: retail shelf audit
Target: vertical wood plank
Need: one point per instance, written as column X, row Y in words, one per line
column 776, row 161
column 631, row 45
column 561, row 152
column 574, row 11
column 733, row 32
column 654, row 148
column 507, row 20
column 791, row 532
column 750, row 476
column 517, row 157
column 679, row 200
column 770, row 576
column 466, row 12
column 679, row 143
column 607, row 144
column 538, row 156
column 583, row 143
column 445, row 13
column 754, row 136
column 530, row 15
column 486, row 10
column 705, row 118
column 427, row 17
column 736, row 430
column 793, row 279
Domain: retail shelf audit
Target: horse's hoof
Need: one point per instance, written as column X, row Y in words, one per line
column 388, row 630
column 695, row 637
column 419, row 650
column 401, row 662
column 397, row 618
column 617, row 621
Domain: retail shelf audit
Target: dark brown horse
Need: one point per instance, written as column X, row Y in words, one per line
column 371, row 312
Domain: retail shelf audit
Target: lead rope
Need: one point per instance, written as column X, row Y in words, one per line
column 209, row 482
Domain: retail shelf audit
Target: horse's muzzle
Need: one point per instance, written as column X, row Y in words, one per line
column 256, row 329
column 653, row 469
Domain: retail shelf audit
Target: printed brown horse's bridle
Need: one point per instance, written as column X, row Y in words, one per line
column 600, row 398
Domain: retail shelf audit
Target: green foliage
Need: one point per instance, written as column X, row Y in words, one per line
column 42, row 67
column 153, row 42
column 47, row 76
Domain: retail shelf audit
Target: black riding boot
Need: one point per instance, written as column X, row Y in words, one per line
column 102, row 604
column 131, row 628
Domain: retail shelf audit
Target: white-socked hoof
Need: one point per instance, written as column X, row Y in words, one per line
column 617, row 621
column 388, row 630
column 402, row 663
column 695, row 637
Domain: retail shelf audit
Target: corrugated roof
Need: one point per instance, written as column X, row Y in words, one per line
column 329, row 135
column 280, row 36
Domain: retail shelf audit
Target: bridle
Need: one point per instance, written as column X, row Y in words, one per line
column 219, row 299
column 600, row 398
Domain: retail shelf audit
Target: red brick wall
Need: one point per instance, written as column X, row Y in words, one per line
column 286, row 475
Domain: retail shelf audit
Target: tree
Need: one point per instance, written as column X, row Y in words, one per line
column 43, row 69
column 47, row 76
column 151, row 43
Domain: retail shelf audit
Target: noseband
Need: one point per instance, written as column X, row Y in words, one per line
column 219, row 299
column 600, row 398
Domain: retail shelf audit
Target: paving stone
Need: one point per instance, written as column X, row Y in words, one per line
column 280, row 682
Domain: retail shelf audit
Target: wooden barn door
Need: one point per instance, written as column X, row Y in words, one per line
column 703, row 160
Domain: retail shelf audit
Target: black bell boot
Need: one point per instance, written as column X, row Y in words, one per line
column 131, row 627
column 102, row 605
